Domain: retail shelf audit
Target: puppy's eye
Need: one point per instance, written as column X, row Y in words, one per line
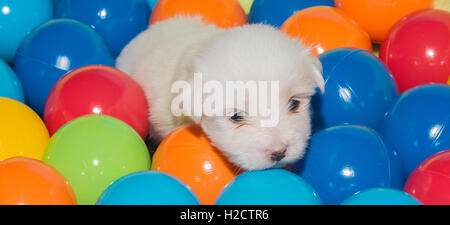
column 294, row 104
column 238, row 117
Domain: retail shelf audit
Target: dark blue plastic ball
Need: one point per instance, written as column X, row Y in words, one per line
column 268, row 187
column 53, row 49
column 275, row 12
column 418, row 124
column 343, row 160
column 117, row 21
column 359, row 89
column 148, row 188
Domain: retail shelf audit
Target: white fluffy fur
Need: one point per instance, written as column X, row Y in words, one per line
column 175, row 49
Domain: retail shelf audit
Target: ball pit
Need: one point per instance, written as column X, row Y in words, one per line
column 187, row 154
column 430, row 181
column 386, row 12
column 418, row 124
column 57, row 58
column 359, row 89
column 325, row 28
column 53, row 49
column 417, row 49
column 97, row 90
column 274, row 12
column 93, row 151
column 10, row 86
column 25, row 181
column 116, row 21
column 17, row 19
column 148, row 188
column 381, row 196
column 22, row 132
column 343, row 160
column 268, row 187
column 222, row 13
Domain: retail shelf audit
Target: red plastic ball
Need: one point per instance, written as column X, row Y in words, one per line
column 97, row 89
column 417, row 49
column 430, row 182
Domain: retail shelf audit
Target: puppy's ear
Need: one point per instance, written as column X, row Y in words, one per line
column 317, row 74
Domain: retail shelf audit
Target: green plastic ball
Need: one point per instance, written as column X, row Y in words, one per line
column 93, row 151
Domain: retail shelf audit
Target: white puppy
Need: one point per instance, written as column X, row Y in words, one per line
column 175, row 49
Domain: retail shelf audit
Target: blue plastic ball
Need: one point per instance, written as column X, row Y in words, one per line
column 418, row 124
column 268, row 187
column 148, row 188
column 10, row 86
column 52, row 50
column 275, row 12
column 343, row 160
column 17, row 19
column 381, row 196
column 359, row 89
column 117, row 21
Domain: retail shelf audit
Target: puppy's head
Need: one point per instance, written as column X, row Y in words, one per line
column 258, row 54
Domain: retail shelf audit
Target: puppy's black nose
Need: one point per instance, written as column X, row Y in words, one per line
column 278, row 156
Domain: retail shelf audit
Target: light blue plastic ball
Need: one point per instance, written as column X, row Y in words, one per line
column 10, row 86
column 381, row 196
column 17, row 19
column 148, row 188
column 268, row 187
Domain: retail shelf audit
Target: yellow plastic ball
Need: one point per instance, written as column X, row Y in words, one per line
column 22, row 132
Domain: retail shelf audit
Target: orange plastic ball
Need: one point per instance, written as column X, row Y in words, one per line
column 188, row 155
column 378, row 16
column 25, row 181
column 223, row 13
column 324, row 28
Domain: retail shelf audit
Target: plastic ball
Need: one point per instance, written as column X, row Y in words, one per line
column 268, row 187
column 344, row 160
column 222, row 13
column 418, row 124
column 417, row 49
column 116, row 21
column 22, row 132
column 274, row 12
column 97, row 89
column 430, row 181
column 378, row 16
column 381, row 196
column 93, row 151
column 148, row 188
column 25, row 181
column 10, row 86
column 359, row 89
column 17, row 19
column 52, row 50
column 325, row 28
column 188, row 155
